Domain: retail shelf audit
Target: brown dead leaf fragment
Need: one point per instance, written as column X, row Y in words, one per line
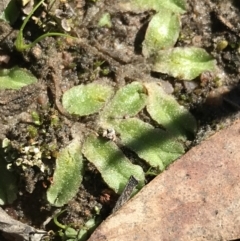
column 14, row 230
column 196, row 199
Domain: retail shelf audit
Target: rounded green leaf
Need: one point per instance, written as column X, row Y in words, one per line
column 67, row 176
column 183, row 63
column 86, row 99
column 162, row 32
column 114, row 167
column 157, row 147
column 166, row 111
column 15, row 78
column 128, row 101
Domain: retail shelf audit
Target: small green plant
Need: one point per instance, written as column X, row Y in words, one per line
column 162, row 34
column 67, row 233
column 118, row 125
column 19, row 43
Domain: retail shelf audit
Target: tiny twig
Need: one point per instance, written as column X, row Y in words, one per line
column 126, row 194
column 57, row 97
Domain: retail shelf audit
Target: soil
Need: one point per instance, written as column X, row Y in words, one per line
column 105, row 54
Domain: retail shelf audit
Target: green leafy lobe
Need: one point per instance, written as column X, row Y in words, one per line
column 15, row 78
column 67, row 176
column 114, row 167
column 157, row 147
column 86, row 99
column 162, row 32
column 128, row 101
column 166, row 111
column 183, row 63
